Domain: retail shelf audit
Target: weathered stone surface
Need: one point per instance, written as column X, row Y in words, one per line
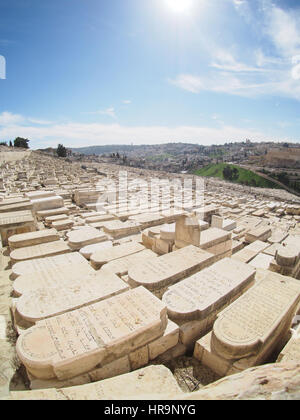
column 47, row 203
column 269, row 382
column 76, row 342
column 196, row 297
column 80, row 238
column 251, row 251
column 261, row 261
column 39, row 251
column 15, row 223
column 258, row 234
column 170, row 268
column 187, row 232
column 51, row 301
column 48, row 276
column 149, row 382
column 251, row 328
column 88, row 250
column 99, row 258
column 122, row 265
column 30, row 266
column 32, row 238
column 291, row 352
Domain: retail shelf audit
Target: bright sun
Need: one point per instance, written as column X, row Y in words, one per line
column 179, row 6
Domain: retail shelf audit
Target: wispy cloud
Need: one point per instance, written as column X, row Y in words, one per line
column 74, row 134
column 275, row 74
column 126, row 102
column 109, row 112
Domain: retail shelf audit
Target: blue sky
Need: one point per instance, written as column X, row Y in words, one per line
column 88, row 72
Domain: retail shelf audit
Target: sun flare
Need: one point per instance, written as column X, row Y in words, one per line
column 179, row 6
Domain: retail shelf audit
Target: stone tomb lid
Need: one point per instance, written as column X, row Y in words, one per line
column 213, row 236
column 243, row 328
column 39, row 251
column 85, row 290
column 197, row 296
column 30, row 266
column 17, row 217
column 33, row 238
column 52, row 276
column 122, row 265
column 169, row 268
column 104, row 256
column 142, row 383
column 75, row 342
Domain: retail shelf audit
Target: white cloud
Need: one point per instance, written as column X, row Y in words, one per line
column 126, row 102
column 109, row 112
column 275, row 74
column 85, row 134
column 7, row 119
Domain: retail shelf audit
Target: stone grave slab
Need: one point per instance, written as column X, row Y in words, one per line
column 47, row 203
column 51, row 301
column 65, row 224
column 33, row 238
column 88, row 250
column 104, row 256
column 15, row 223
column 194, row 303
column 47, row 276
column 71, row 344
column 262, row 233
column 261, row 261
column 168, row 269
column 148, row 382
column 251, row 251
column 251, row 328
column 122, row 265
column 291, row 352
column 39, row 251
column 30, row 266
column 117, row 229
column 78, row 239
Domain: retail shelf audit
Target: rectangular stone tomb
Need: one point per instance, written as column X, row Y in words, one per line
column 291, row 352
column 258, row 234
column 39, row 251
column 103, row 256
column 160, row 349
column 149, row 382
column 47, row 263
column 217, row 242
column 117, row 229
column 15, row 223
column 48, row 276
column 122, row 265
column 194, row 303
column 76, row 342
column 168, row 269
column 251, row 251
column 44, row 303
column 53, row 212
column 80, row 238
column 47, row 203
column 88, row 251
column 33, row 238
column 252, row 328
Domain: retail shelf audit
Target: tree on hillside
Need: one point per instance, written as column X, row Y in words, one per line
column 61, row 151
column 227, row 173
column 20, row 142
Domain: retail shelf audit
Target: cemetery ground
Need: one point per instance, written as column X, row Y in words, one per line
column 135, row 289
